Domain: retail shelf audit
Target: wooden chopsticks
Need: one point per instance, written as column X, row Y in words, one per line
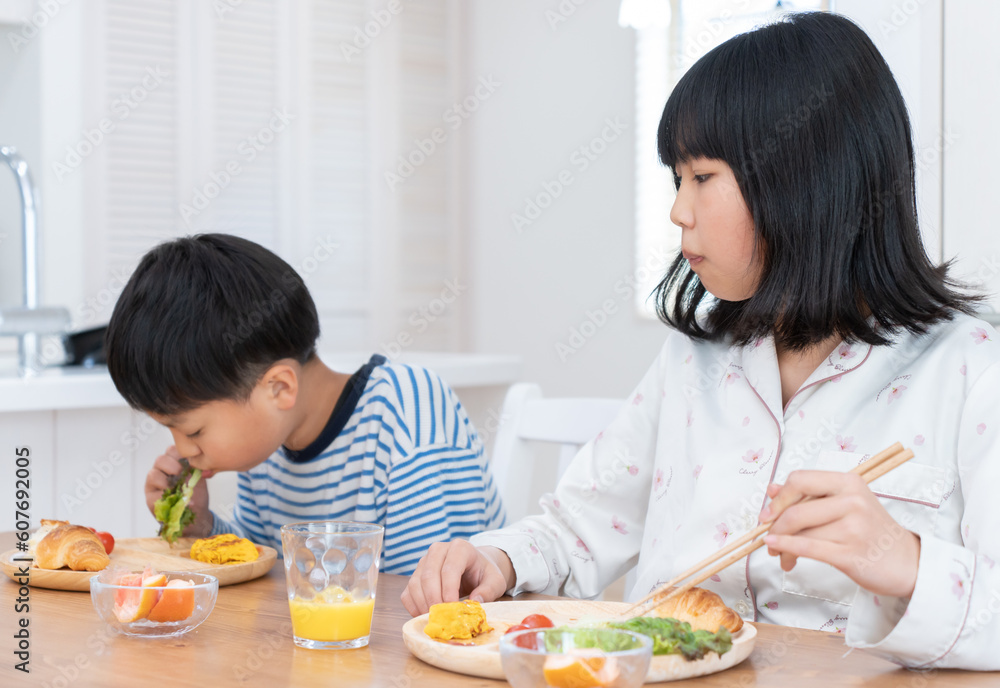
column 875, row 467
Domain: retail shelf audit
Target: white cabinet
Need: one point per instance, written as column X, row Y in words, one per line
column 87, row 466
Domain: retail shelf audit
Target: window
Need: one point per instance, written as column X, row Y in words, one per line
column 666, row 44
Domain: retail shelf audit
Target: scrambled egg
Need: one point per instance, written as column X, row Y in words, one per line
column 456, row 620
column 224, row 549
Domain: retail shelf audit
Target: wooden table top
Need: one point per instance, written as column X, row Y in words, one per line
column 248, row 641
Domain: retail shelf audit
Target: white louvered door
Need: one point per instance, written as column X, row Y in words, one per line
column 274, row 125
column 334, row 157
column 427, row 213
column 132, row 195
column 238, row 92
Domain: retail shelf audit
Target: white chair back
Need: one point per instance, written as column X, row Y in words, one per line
column 527, row 419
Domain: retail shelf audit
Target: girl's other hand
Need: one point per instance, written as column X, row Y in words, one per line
column 844, row 525
column 451, row 570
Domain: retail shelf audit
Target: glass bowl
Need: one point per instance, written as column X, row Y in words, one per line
column 575, row 657
column 164, row 607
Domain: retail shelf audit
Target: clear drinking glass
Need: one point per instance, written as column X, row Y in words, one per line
column 331, row 570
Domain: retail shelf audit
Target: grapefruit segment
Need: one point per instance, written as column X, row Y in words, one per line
column 175, row 604
column 136, row 604
column 130, row 579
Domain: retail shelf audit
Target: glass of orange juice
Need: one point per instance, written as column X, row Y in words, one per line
column 331, row 570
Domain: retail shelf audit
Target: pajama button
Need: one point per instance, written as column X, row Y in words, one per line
column 742, row 608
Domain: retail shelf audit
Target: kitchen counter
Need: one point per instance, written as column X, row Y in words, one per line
column 78, row 388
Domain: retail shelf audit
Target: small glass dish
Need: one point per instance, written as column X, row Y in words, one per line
column 169, row 604
column 579, row 657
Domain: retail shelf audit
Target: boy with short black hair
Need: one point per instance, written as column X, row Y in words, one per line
column 215, row 337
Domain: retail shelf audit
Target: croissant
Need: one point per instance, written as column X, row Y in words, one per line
column 72, row 546
column 47, row 527
column 701, row 608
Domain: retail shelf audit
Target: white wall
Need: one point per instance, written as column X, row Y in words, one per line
column 531, row 289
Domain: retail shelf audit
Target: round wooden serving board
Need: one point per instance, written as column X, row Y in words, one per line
column 134, row 554
column 483, row 658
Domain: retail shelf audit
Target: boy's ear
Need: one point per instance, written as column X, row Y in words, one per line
column 281, row 385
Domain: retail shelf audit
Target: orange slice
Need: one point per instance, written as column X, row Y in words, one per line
column 176, row 603
column 137, row 603
column 580, row 671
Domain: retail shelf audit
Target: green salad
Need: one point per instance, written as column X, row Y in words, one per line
column 172, row 510
column 673, row 637
column 670, row 637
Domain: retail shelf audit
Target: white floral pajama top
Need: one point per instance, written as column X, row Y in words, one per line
column 683, row 470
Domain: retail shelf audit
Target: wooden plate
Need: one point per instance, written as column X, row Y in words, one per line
column 135, row 554
column 483, row 659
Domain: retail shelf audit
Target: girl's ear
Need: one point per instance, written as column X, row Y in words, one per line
column 281, row 385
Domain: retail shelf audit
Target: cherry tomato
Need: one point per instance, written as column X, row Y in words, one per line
column 526, row 640
column 90, row 529
column 107, row 540
column 518, row 627
column 537, row 621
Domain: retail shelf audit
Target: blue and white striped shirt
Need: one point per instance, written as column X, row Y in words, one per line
column 406, row 457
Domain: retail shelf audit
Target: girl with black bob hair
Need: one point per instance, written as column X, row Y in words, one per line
column 809, row 331
column 817, row 136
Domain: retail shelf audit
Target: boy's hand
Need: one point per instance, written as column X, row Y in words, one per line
column 844, row 525
column 165, row 469
column 454, row 569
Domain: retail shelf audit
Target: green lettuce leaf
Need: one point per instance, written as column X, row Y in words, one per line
column 672, row 637
column 171, row 510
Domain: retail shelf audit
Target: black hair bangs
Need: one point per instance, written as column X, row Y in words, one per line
column 702, row 116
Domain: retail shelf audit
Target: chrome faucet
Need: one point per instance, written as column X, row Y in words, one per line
column 29, row 223
column 29, row 321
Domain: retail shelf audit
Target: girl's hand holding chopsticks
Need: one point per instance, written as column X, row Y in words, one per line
column 844, row 525
column 853, row 491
